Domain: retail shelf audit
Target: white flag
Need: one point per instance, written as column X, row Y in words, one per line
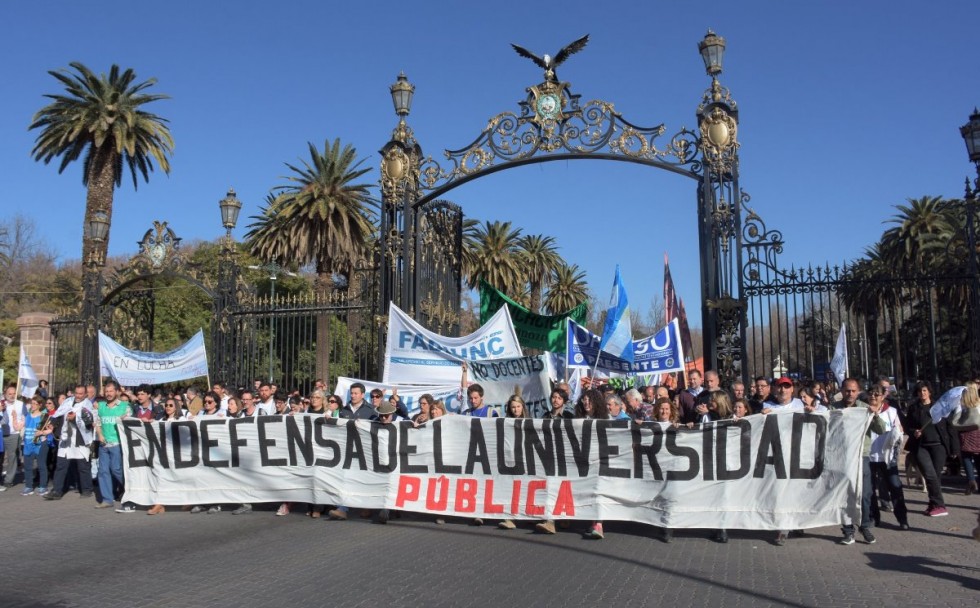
column 839, row 363
column 26, row 375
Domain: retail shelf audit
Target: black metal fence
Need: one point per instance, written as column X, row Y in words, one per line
column 294, row 339
column 906, row 328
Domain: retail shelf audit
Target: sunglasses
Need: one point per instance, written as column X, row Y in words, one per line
column 209, row 401
column 384, row 415
column 170, row 405
column 333, row 401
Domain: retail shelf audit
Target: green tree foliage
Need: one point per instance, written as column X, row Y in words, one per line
column 101, row 119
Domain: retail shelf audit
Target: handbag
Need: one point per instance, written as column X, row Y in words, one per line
column 968, row 419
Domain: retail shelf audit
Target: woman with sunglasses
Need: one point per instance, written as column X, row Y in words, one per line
column 170, row 410
column 884, row 460
column 334, row 405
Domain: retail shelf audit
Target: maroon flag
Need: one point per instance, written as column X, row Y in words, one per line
column 670, row 296
column 675, row 310
column 685, row 335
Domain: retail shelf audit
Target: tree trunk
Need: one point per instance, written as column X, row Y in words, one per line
column 98, row 197
column 322, row 290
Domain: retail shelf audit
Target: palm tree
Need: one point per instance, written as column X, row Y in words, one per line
column 101, row 118
column 920, row 229
column 496, row 259
column 321, row 216
column 568, row 289
column 539, row 255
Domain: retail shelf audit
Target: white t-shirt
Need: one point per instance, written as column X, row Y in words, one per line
column 793, row 406
column 14, row 415
column 267, row 408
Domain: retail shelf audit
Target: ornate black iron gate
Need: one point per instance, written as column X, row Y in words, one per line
column 552, row 123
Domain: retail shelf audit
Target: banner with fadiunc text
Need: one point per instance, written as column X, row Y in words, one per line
column 773, row 472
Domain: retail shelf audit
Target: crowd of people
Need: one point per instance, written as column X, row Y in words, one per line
column 55, row 443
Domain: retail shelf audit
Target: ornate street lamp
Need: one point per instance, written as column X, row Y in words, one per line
column 401, row 95
column 96, row 231
column 712, row 50
column 226, row 298
column 230, row 206
column 971, row 136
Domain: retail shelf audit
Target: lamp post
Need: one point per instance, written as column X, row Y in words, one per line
column 225, row 298
column 400, row 161
column 96, row 231
column 971, row 136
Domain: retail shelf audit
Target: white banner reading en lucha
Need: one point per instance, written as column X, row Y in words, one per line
column 134, row 367
column 781, row 471
column 416, row 355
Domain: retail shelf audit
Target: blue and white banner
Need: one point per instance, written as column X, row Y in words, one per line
column 134, row 367
column 659, row 354
column 415, row 355
column 26, row 375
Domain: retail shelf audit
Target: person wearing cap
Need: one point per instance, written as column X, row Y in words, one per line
column 784, row 400
column 387, row 414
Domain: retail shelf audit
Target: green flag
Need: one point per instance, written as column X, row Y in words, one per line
column 533, row 330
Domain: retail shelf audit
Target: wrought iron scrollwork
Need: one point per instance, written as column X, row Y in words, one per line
column 570, row 128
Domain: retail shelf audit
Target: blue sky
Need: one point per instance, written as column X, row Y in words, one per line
column 846, row 109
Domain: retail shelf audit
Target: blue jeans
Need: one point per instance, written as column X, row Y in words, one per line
column 32, row 462
column 970, row 464
column 110, row 467
column 866, row 495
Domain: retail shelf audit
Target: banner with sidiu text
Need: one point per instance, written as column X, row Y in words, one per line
column 770, row 472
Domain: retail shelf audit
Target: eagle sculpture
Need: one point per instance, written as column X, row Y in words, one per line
column 547, row 62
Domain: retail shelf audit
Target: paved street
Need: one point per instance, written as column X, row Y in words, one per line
column 67, row 553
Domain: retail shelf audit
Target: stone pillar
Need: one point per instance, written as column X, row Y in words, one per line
column 35, row 337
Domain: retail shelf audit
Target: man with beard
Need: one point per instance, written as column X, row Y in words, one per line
column 73, row 424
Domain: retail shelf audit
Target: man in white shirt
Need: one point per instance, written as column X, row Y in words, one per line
column 12, row 422
column 267, row 404
column 784, row 399
column 75, row 425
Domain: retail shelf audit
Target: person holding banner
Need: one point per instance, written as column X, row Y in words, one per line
column 558, row 399
column 474, row 394
column 32, row 449
column 110, row 411
column 593, row 407
column 12, row 421
column 849, row 398
column 358, row 409
column 74, row 424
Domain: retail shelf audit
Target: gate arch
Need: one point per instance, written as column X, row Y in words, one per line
column 552, row 124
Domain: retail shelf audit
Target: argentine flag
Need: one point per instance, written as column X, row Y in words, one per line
column 617, row 335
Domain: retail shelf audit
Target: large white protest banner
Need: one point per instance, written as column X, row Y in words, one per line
column 530, row 377
column 415, row 355
column 773, row 472
column 133, row 367
column 409, row 394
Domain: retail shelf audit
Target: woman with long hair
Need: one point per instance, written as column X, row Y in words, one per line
column 928, row 444
column 969, row 439
column 591, row 406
